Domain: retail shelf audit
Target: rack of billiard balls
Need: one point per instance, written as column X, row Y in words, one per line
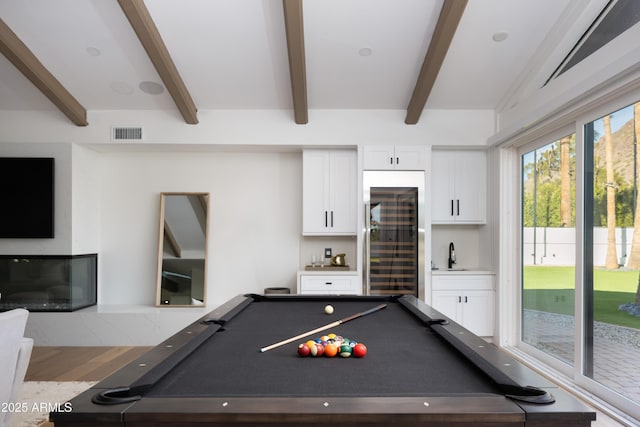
column 332, row 345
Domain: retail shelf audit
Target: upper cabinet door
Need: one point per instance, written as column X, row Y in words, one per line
column 315, row 191
column 395, row 157
column 343, row 182
column 459, row 187
column 471, row 187
column 411, row 157
column 329, row 182
column 379, row 157
column 442, row 187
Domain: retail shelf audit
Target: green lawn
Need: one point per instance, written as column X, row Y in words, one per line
column 551, row 289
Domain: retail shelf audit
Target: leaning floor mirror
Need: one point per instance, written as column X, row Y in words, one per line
column 182, row 249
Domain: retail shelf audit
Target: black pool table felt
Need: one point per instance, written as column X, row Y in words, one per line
column 404, row 357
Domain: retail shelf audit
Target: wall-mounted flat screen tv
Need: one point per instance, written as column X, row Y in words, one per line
column 26, row 197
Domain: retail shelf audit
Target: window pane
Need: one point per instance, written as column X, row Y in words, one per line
column 548, row 248
column 612, row 256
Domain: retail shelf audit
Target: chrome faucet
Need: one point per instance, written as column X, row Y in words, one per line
column 452, row 255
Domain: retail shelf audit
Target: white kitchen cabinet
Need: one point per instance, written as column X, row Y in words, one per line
column 329, row 192
column 458, row 187
column 329, row 284
column 396, row 157
column 466, row 298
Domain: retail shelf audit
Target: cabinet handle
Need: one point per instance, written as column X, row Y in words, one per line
column 458, row 203
column 331, row 218
column 397, row 160
column 466, row 299
column 459, row 299
column 328, row 283
column 451, row 207
column 390, row 160
column 326, row 223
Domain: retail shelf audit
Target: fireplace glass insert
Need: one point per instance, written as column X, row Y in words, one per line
column 48, row 282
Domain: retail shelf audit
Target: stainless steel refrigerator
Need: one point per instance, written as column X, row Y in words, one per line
column 394, row 232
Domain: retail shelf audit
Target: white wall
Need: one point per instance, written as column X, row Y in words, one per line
column 468, row 244
column 255, row 224
column 553, row 246
column 314, row 247
column 86, row 211
column 111, row 207
column 265, row 127
column 557, row 246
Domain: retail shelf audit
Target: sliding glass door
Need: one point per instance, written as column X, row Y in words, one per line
column 548, row 248
column 612, row 252
column 580, row 286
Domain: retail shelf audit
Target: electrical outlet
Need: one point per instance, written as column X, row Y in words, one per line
column 327, row 252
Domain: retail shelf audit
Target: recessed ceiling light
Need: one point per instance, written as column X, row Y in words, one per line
column 121, row 87
column 365, row 51
column 152, row 88
column 500, row 36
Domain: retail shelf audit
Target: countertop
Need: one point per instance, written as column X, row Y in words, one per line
column 443, row 272
column 328, row 271
column 461, row 272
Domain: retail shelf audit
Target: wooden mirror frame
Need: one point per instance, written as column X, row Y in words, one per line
column 199, row 204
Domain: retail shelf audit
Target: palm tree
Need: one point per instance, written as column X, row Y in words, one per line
column 565, row 182
column 634, row 255
column 611, row 262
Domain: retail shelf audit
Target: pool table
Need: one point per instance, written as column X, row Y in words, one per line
column 420, row 369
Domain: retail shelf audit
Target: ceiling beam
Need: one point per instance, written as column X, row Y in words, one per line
column 294, row 28
column 174, row 246
column 199, row 207
column 446, row 26
column 24, row 60
column 142, row 23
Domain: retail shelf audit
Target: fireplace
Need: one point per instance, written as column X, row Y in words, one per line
column 48, row 282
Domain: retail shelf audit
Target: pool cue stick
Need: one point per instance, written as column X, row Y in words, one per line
column 322, row 328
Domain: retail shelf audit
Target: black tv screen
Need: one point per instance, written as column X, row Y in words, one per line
column 26, row 197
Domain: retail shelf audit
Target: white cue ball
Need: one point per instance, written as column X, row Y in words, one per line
column 328, row 309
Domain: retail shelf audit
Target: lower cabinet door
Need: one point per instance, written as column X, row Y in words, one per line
column 477, row 312
column 471, row 309
column 448, row 303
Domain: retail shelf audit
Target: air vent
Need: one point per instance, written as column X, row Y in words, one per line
column 126, row 134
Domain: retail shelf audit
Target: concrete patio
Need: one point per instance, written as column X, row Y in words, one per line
column 616, row 349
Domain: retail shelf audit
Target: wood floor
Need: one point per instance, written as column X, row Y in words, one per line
column 79, row 363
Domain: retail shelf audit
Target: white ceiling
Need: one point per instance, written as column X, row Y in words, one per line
column 232, row 54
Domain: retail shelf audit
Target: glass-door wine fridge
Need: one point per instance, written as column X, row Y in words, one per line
column 394, row 232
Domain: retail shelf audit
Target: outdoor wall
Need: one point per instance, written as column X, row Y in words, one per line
column 556, row 246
